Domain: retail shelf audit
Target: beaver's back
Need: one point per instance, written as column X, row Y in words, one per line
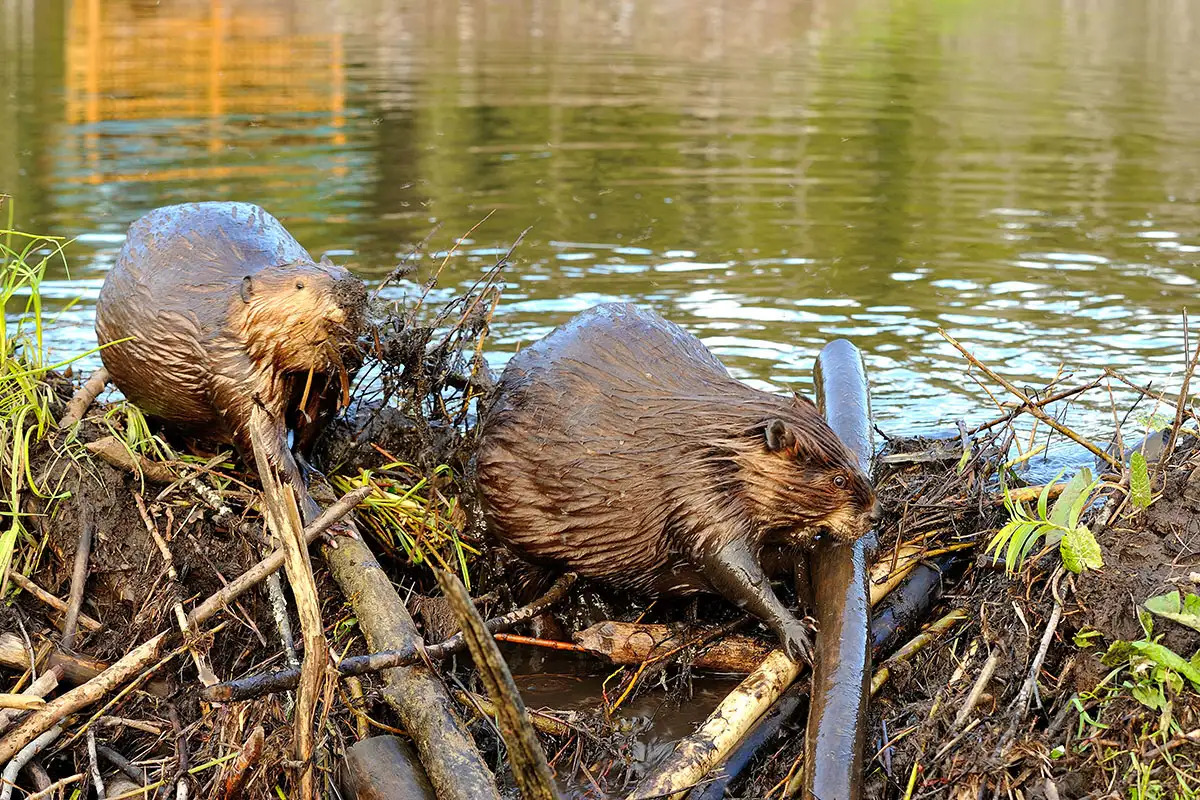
column 591, row 443
column 173, row 287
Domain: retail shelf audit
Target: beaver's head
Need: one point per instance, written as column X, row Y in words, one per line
column 302, row 316
column 803, row 479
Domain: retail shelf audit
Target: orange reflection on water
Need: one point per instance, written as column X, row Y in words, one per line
column 191, row 61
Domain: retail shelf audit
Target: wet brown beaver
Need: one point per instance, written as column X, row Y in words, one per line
column 621, row 448
column 230, row 320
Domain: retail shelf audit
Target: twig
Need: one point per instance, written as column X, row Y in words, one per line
column 53, row 788
column 122, row 763
column 94, row 765
column 914, row 646
column 1033, row 408
column 18, row 760
column 985, row 677
column 1045, row 401
column 45, row 597
column 530, row 770
column 256, row 574
column 79, row 576
column 1182, row 403
column 181, row 753
column 20, row 702
column 1021, row 707
column 84, row 396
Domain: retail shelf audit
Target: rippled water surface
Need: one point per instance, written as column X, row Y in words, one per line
column 769, row 174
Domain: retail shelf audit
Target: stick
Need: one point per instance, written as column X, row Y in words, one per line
column 18, row 760
column 530, row 770
column 83, row 398
column 1034, row 409
column 239, row 771
column 283, row 516
column 94, row 765
column 46, row 683
column 282, row 680
column 80, row 697
column 914, row 646
column 21, row 702
column 258, row 573
column 110, row 450
column 985, row 677
column 79, row 575
column 45, row 597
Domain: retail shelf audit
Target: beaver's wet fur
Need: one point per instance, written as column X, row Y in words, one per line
column 620, row 447
column 227, row 312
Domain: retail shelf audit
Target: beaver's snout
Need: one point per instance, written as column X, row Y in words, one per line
column 350, row 294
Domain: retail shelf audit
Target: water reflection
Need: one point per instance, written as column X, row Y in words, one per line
column 769, row 174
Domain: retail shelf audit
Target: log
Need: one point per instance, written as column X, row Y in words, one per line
column 447, row 751
column 385, row 768
column 837, row 713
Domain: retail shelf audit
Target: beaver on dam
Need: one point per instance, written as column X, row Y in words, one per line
column 620, row 447
column 227, row 312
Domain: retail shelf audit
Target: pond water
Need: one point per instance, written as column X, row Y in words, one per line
column 769, row 174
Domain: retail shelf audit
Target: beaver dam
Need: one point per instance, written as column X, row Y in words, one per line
column 1027, row 640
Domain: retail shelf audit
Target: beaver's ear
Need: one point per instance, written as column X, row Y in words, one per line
column 779, row 436
column 803, row 400
column 247, row 289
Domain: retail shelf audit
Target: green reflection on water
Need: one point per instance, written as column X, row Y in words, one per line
column 768, row 174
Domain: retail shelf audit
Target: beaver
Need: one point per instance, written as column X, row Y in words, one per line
column 212, row 311
column 621, row 448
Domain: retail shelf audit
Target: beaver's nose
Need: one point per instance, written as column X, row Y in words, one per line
column 876, row 512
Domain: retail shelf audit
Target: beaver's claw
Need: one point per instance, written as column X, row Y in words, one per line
column 337, row 529
column 797, row 644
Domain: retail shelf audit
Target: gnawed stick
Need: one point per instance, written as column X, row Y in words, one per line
column 73, row 669
column 258, row 573
column 447, row 751
column 283, row 516
column 695, row 755
column 633, row 643
column 110, row 450
column 40, row 594
column 914, row 646
column 42, row 720
column 282, row 680
column 20, row 702
column 83, row 398
column 46, row 683
column 239, row 771
column 530, row 770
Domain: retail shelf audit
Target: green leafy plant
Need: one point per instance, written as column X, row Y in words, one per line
column 1139, row 481
column 1154, row 667
column 1058, row 524
column 1184, row 609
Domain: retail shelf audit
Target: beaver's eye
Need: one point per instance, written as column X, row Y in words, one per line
column 299, row 284
column 840, row 481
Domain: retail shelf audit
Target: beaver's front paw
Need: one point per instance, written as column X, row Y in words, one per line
column 797, row 644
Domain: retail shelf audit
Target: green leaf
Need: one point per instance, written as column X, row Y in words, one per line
column 1083, row 639
column 1081, row 502
column 1166, row 657
column 962, row 462
column 1080, row 550
column 1184, row 610
column 1062, row 506
column 1045, row 495
column 1023, row 538
column 1150, row 695
column 1139, row 481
